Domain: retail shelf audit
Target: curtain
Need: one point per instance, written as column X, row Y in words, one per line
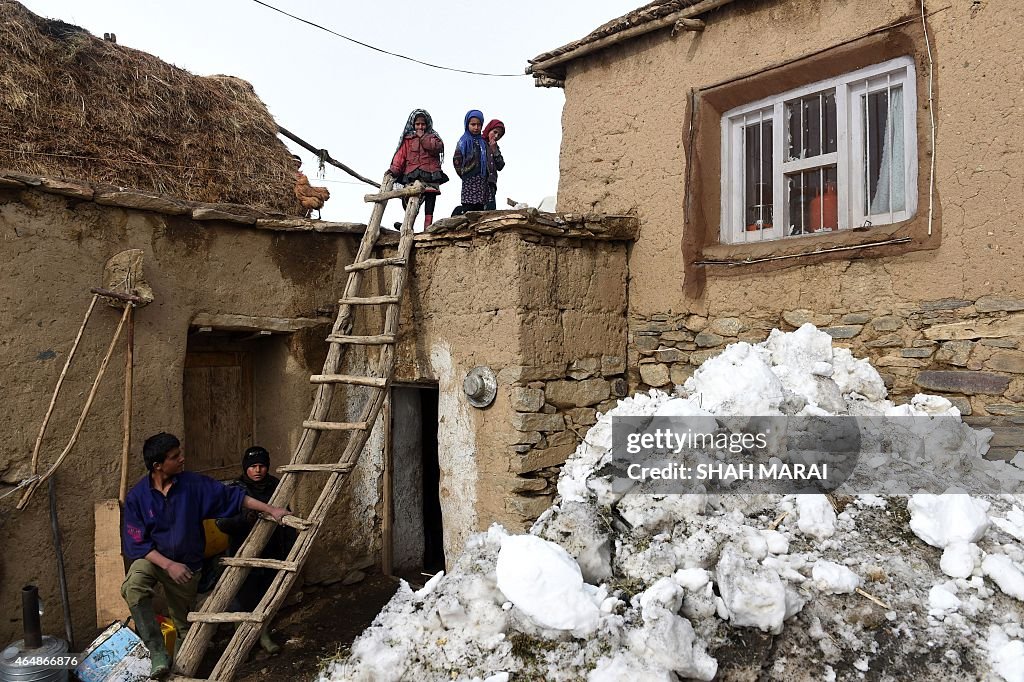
column 891, row 185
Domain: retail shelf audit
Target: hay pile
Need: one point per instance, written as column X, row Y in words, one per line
column 77, row 107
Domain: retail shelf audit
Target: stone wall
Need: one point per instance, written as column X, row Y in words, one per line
column 552, row 415
column 970, row 351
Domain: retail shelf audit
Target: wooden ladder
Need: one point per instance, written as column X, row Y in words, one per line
column 214, row 610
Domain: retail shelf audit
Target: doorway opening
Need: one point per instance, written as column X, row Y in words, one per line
column 417, row 525
column 231, row 388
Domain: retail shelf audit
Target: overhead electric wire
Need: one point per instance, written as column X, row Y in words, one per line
column 393, row 54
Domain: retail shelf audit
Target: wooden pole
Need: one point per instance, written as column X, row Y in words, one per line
column 325, row 155
column 81, row 418
column 56, row 390
column 387, row 525
column 627, row 34
column 129, row 367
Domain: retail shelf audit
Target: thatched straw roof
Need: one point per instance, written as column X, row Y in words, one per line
column 79, row 107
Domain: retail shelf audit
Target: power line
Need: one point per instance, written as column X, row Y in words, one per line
column 393, row 54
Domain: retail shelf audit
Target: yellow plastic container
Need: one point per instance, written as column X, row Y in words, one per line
column 216, row 539
column 169, row 633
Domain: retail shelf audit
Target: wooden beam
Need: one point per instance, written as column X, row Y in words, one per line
column 110, row 606
column 249, row 323
column 627, row 34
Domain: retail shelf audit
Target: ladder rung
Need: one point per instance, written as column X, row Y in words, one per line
column 378, row 382
column 369, row 300
column 377, row 340
column 295, row 522
column 410, row 191
column 226, row 617
column 374, row 263
column 310, row 468
column 253, row 562
column 334, row 426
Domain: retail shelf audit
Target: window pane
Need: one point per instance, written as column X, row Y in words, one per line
column 885, row 178
column 811, row 123
column 757, row 176
column 810, row 208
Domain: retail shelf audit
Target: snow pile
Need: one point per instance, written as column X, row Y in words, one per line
column 613, row 586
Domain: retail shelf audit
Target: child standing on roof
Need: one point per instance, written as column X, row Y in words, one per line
column 493, row 131
column 471, row 161
column 418, row 157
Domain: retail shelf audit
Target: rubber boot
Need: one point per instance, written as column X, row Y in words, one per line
column 149, row 632
column 268, row 644
column 428, row 220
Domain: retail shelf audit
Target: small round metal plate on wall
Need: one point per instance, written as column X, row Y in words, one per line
column 480, row 386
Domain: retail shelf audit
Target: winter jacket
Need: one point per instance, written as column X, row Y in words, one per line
column 418, row 153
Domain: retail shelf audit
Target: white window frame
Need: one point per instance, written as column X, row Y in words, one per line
column 848, row 157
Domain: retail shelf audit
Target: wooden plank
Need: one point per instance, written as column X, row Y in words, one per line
column 387, row 524
column 369, row 300
column 334, row 426
column 252, row 562
column 250, row 323
column 314, row 468
column 110, row 606
column 378, row 382
column 374, row 263
column 226, row 617
column 412, row 190
column 378, row 340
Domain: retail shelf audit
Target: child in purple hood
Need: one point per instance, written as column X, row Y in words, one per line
column 471, row 163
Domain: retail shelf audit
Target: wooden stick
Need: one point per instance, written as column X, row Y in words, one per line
column 874, row 599
column 56, row 390
column 323, row 154
column 119, row 295
column 615, row 38
column 129, row 370
column 85, row 413
column 778, row 519
column 386, row 552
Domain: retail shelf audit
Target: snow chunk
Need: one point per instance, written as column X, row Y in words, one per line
column 941, row 601
column 753, row 595
column 942, row 519
column 1013, row 524
column 1001, row 569
column 668, row 640
column 626, row 666
column 738, row 381
column 1005, row 655
column 546, row 584
column 817, row 517
column 833, row 578
column 959, row 559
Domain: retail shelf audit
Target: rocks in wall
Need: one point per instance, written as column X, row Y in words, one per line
column 970, row 351
column 554, row 408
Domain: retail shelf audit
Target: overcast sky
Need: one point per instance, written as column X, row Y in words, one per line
column 353, row 101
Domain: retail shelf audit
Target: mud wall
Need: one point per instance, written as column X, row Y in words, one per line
column 53, row 249
column 627, row 137
column 532, row 309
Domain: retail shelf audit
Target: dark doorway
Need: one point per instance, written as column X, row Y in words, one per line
column 417, row 529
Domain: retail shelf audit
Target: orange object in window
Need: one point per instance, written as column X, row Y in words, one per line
column 825, row 210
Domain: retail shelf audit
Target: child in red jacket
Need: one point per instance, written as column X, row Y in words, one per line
column 418, row 157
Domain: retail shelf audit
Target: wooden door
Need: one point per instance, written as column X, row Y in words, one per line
column 217, row 395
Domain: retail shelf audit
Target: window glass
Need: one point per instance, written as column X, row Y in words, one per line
column 812, row 128
column 758, row 185
column 884, row 151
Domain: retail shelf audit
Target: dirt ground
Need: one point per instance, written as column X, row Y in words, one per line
column 325, row 620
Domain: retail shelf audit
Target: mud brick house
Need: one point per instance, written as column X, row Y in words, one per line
column 851, row 164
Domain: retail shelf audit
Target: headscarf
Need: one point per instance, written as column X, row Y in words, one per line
column 491, row 125
column 410, row 126
column 472, row 145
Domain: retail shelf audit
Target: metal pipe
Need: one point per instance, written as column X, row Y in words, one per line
column 30, row 617
column 62, row 578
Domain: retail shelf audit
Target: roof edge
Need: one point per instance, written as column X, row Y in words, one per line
column 549, row 68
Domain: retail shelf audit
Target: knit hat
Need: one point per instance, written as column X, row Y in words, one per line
column 255, row 455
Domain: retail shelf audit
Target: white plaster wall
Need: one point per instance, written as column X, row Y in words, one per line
column 457, row 456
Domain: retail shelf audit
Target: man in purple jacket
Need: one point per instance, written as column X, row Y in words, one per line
column 163, row 535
